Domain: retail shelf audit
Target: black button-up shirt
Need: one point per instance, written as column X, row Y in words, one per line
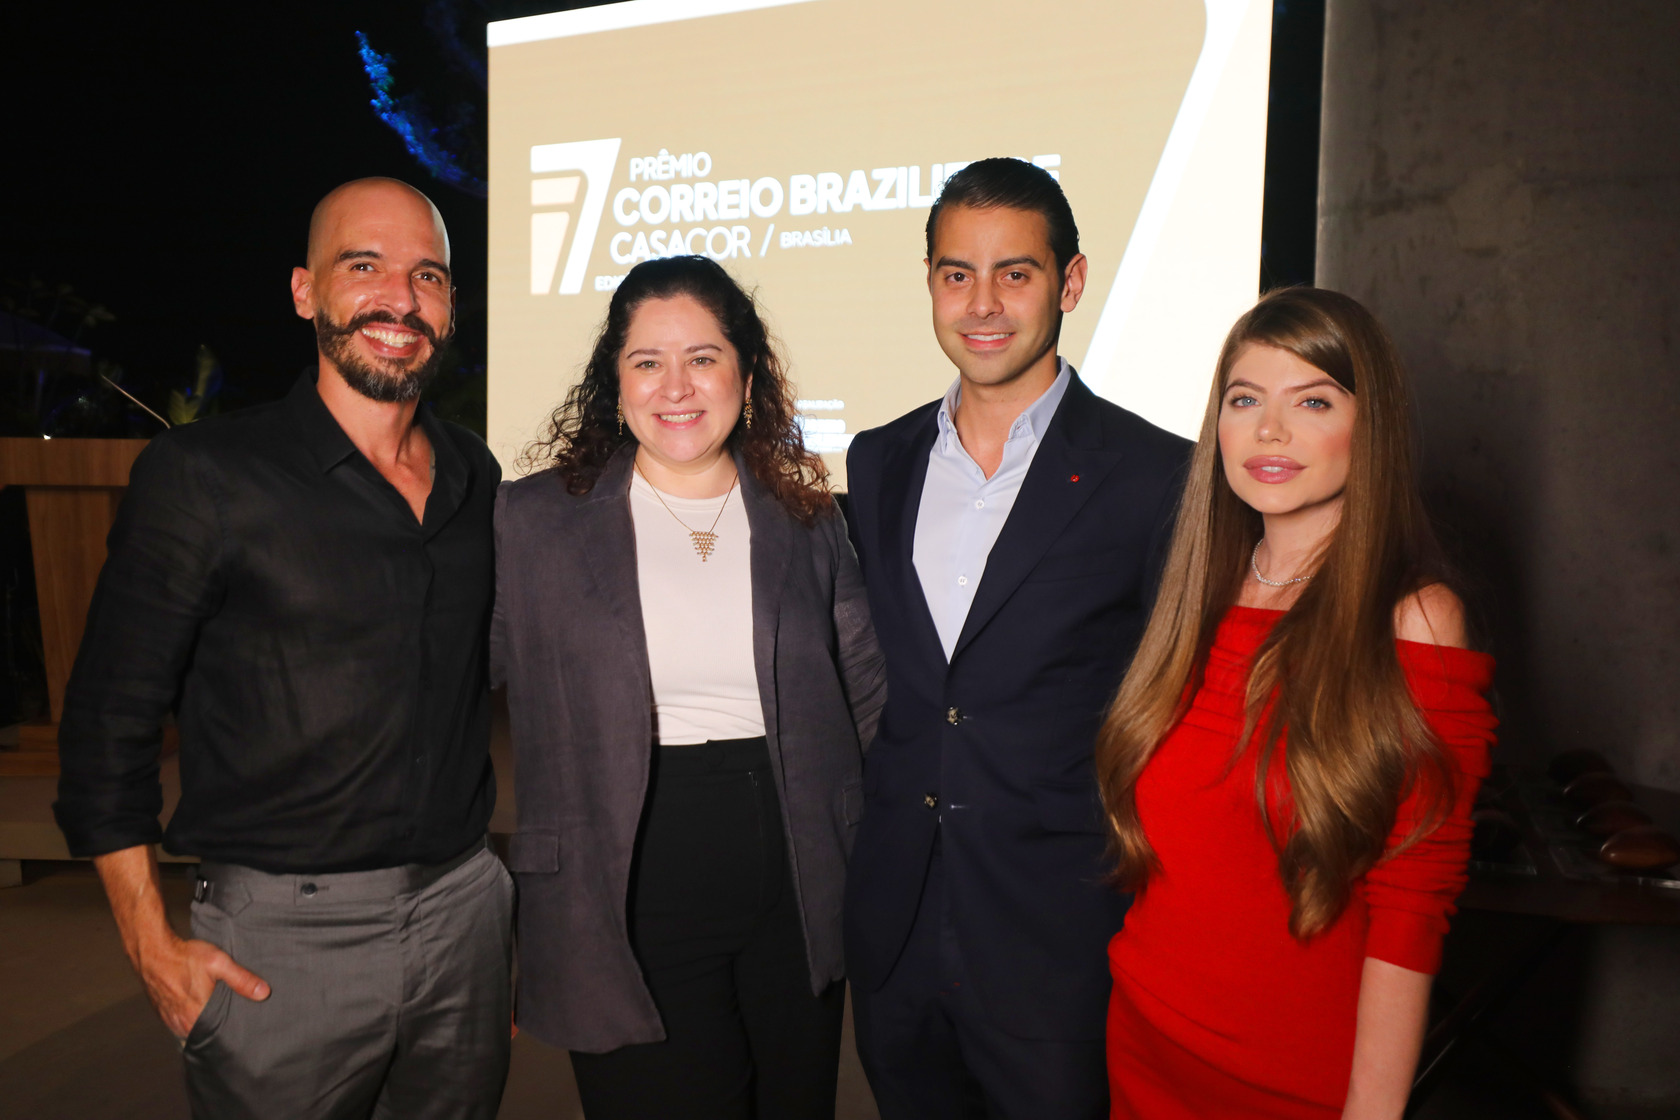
column 324, row 653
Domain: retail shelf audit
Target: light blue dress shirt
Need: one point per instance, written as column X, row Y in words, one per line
column 963, row 511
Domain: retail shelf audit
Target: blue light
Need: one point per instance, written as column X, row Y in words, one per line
column 409, row 121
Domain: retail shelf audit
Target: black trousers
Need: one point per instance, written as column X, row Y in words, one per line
column 716, row 927
column 932, row 1052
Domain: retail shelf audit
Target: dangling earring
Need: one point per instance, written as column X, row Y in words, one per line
column 620, row 417
column 746, row 414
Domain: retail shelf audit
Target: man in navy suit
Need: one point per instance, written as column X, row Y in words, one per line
column 1009, row 535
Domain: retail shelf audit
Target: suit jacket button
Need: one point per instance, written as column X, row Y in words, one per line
column 953, row 715
column 931, row 800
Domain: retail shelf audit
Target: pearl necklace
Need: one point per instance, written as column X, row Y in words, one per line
column 1254, row 566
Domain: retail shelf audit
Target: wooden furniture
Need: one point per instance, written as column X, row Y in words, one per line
column 73, row 487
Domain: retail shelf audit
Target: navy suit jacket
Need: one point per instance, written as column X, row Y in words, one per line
column 993, row 751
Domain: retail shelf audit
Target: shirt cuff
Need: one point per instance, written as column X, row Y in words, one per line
column 88, row 834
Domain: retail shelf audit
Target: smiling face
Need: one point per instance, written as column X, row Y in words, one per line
column 680, row 384
column 377, row 288
column 998, row 294
column 1285, row 433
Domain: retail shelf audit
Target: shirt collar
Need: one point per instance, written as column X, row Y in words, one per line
column 1033, row 422
column 330, row 446
column 322, row 436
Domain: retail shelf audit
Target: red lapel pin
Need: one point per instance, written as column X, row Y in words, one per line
column 1073, row 478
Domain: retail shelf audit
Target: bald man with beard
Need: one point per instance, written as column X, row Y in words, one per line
column 306, row 586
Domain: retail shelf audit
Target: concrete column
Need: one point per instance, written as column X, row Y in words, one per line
column 1500, row 182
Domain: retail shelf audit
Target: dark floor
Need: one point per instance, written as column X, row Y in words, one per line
column 78, row 1041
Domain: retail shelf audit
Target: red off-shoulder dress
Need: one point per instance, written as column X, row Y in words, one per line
column 1217, row 1010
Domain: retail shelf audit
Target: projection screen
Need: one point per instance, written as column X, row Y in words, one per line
column 801, row 142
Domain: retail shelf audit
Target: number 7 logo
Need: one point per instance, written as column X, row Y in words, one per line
column 596, row 159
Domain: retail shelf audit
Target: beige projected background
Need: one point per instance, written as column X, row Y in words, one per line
column 801, row 144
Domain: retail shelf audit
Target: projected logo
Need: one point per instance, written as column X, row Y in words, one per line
column 554, row 204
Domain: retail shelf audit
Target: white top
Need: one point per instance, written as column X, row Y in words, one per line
column 698, row 617
column 963, row 511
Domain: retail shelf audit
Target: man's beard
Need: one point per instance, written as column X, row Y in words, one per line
column 384, row 379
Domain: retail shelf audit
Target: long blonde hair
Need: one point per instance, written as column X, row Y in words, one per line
column 1328, row 672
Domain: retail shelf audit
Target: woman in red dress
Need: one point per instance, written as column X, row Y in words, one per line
column 1289, row 766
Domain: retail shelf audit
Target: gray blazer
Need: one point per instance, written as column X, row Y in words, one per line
column 567, row 639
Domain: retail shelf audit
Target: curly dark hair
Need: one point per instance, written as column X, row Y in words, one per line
column 583, row 433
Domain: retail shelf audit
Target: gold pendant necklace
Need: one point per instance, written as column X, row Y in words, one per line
column 704, row 540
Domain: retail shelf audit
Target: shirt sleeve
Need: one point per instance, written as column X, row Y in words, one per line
column 1412, row 891
column 159, row 583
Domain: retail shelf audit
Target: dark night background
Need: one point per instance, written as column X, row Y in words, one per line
column 162, row 161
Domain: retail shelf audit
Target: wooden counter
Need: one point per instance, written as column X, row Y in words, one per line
column 73, row 487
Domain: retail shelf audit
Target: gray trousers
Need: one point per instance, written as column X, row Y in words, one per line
column 389, row 992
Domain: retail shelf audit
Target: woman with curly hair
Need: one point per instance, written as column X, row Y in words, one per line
column 692, row 678
column 1290, row 763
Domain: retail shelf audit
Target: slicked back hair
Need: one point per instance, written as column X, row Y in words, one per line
column 1019, row 185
